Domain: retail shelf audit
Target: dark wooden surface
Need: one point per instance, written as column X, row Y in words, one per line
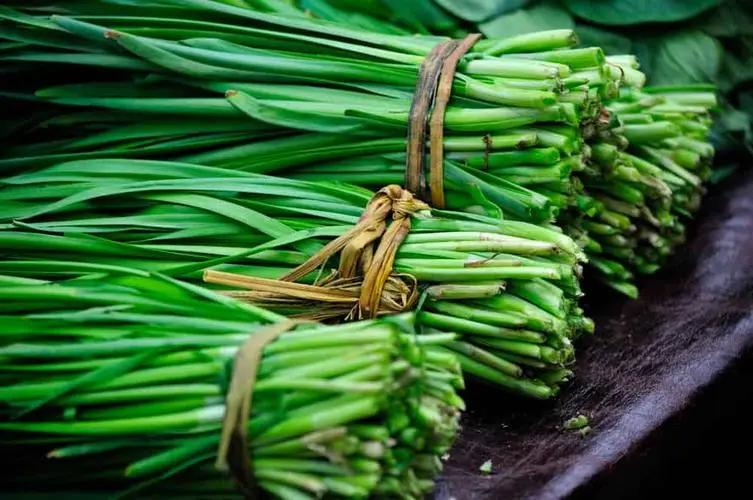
column 663, row 383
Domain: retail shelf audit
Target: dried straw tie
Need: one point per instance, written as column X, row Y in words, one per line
column 234, row 453
column 364, row 285
column 430, row 99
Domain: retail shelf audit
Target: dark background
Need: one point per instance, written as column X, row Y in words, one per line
column 666, row 382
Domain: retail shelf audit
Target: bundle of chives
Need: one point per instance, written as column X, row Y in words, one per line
column 659, row 162
column 332, row 93
column 508, row 288
column 618, row 248
column 115, row 381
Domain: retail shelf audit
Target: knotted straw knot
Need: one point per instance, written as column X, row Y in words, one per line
column 393, row 199
column 364, row 284
column 404, row 204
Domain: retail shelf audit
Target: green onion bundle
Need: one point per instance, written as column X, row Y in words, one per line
column 653, row 187
column 508, row 288
column 115, row 380
column 317, row 98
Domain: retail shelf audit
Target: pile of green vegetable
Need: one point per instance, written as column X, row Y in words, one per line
column 508, row 289
column 146, row 146
column 528, row 140
column 114, row 379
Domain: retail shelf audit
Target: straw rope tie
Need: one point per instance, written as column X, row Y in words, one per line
column 430, row 98
column 363, row 286
column 234, row 453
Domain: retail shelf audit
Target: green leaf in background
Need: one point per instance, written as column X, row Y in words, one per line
column 368, row 14
column 421, row 15
column 733, row 139
column 681, row 57
column 735, row 121
column 626, row 12
column 540, row 17
column 731, row 19
column 476, row 11
column 385, row 16
column 722, row 172
column 736, row 69
column 611, row 43
column 746, row 102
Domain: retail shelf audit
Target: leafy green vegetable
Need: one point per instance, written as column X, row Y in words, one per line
column 132, row 390
column 737, row 65
column 477, row 11
column 542, row 16
column 682, row 57
column 610, row 43
column 629, row 12
column 735, row 120
column 733, row 136
column 421, row 15
column 732, row 19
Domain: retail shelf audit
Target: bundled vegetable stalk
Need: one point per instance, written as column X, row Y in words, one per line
column 317, row 98
column 115, row 379
column 505, row 287
column 660, row 156
column 333, row 102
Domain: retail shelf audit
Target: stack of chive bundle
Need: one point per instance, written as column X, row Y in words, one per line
column 521, row 130
column 537, row 134
column 114, row 380
column 504, row 287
